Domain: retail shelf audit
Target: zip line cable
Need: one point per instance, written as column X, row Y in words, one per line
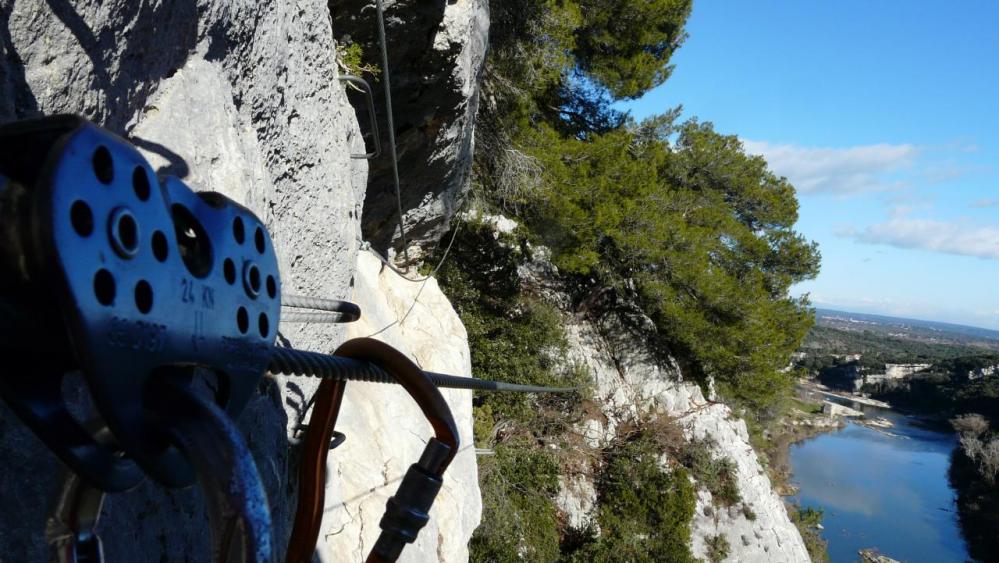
column 291, row 361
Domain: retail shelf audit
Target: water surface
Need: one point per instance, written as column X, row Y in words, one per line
column 887, row 490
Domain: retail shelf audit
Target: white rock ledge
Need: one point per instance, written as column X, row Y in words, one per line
column 386, row 431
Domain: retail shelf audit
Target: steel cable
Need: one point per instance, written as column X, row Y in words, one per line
column 391, row 125
column 289, row 361
column 348, row 311
column 313, row 317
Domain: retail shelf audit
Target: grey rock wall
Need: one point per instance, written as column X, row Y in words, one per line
column 240, row 98
column 436, row 52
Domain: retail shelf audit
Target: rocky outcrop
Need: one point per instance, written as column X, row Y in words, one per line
column 893, row 372
column 759, row 530
column 899, row 371
column 980, row 372
column 632, row 382
column 830, row 408
column 436, row 51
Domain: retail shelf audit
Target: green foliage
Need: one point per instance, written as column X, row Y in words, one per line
column 351, row 59
column 806, row 407
column 645, row 511
column 702, row 231
column 567, row 61
column 977, row 506
column 718, row 548
column 809, row 517
column 518, row 486
column 519, row 338
column 807, row 520
column 823, row 343
column 513, row 336
column 716, row 474
column 944, row 392
column 676, row 215
column 483, row 424
column 624, row 45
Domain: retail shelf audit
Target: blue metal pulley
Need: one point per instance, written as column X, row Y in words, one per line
column 149, row 280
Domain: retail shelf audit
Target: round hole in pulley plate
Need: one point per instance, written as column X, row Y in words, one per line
column 192, row 241
column 104, row 287
column 254, row 277
column 160, row 246
column 123, row 230
column 242, row 320
column 263, row 325
column 128, row 232
column 143, row 296
column 103, row 165
column 271, row 287
column 238, row 230
column 82, row 218
column 229, row 271
column 140, row 183
column 258, row 239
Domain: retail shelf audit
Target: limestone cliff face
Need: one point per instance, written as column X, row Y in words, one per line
column 632, row 382
column 436, row 52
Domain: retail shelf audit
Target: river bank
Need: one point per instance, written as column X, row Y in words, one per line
column 804, row 419
column 882, row 482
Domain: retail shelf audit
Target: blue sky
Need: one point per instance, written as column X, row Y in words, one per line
column 885, row 116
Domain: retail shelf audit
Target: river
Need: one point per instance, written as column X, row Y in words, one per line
column 886, row 489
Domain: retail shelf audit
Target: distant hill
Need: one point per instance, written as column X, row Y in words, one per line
column 931, row 332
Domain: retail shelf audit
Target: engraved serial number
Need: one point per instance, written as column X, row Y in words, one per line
column 136, row 335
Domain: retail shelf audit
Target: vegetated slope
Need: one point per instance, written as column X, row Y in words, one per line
column 665, row 223
column 673, row 212
column 823, row 341
column 636, row 464
column 909, row 329
column 961, row 378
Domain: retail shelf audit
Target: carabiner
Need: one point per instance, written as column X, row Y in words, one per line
column 407, row 511
column 72, row 527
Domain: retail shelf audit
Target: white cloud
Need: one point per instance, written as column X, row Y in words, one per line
column 851, row 170
column 932, row 235
column 987, row 202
